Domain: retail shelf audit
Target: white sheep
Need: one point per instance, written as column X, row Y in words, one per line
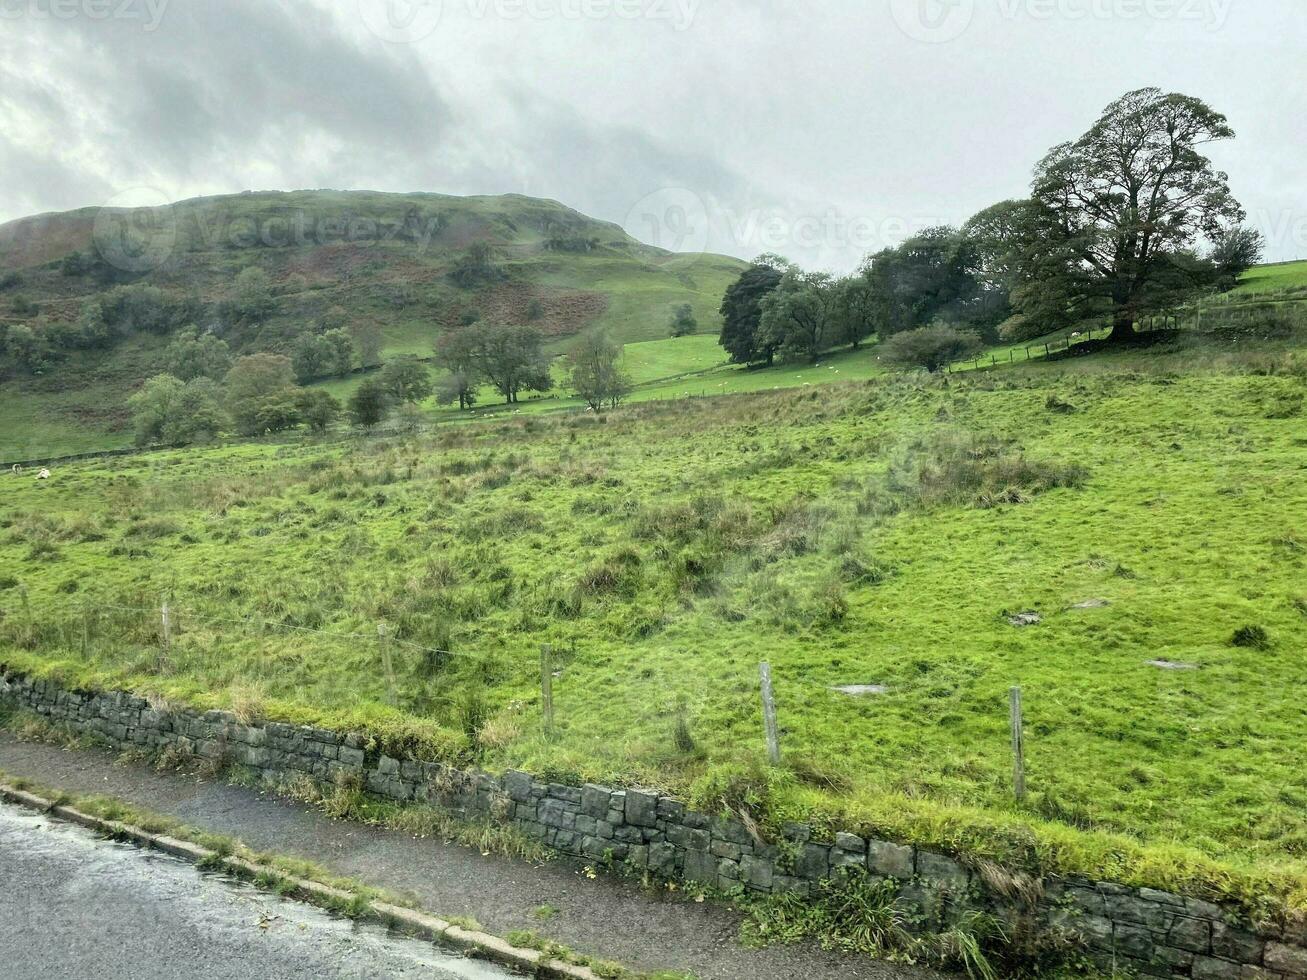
column 43, row 475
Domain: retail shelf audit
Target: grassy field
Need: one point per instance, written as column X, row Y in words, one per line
column 1271, row 278
column 53, row 416
column 881, row 532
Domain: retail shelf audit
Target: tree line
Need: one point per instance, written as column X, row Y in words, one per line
column 205, row 391
column 1129, row 220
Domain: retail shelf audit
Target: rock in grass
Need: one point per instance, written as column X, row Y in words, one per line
column 1026, row 619
column 861, row 690
column 1092, row 604
column 1172, row 665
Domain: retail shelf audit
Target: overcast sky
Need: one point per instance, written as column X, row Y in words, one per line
column 821, row 129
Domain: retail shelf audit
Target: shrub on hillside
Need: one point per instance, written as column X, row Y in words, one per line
column 964, row 469
column 1251, row 638
column 932, row 348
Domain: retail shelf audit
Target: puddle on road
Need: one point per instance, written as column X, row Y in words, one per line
column 83, row 869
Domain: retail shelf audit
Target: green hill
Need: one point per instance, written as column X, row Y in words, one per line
column 387, row 259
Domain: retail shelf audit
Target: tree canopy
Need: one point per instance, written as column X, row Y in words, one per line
column 742, row 314
column 596, row 374
column 1120, row 208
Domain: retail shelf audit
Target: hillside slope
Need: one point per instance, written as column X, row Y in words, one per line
column 386, row 259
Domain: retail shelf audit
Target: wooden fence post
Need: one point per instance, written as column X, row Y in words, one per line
column 383, row 642
column 547, row 685
column 167, row 627
column 1018, row 747
column 769, row 715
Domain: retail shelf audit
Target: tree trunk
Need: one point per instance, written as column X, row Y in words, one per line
column 1123, row 326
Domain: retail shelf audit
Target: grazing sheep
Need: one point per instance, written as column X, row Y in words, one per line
column 17, row 469
column 43, row 475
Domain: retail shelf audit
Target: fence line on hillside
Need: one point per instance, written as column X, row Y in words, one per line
column 167, row 655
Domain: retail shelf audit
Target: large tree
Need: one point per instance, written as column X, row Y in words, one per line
column 259, row 387
column 406, row 380
column 512, row 359
column 929, row 277
column 596, row 372
column 855, row 310
column 457, row 353
column 193, row 355
column 1128, row 197
column 742, row 312
column 798, row 316
column 169, row 411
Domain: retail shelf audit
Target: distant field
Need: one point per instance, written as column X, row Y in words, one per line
column 662, row 369
column 874, row 533
column 1267, row 278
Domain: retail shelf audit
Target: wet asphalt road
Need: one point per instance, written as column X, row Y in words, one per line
column 75, row 907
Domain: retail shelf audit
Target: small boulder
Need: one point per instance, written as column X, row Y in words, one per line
column 1026, row 619
column 1092, row 604
column 861, row 690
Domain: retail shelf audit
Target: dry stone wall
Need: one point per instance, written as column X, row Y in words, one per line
column 1137, row 930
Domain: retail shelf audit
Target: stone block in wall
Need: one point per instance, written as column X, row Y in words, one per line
column 696, row 821
column 568, row 794
column 813, row 862
column 670, row 810
column 851, row 844
column 1162, row 898
column 595, row 800
column 891, row 860
column 554, row 813
column 353, row 758
column 638, row 856
column 757, row 872
column 1247, row 972
column 662, row 859
column 1211, row 968
column 565, row 840
column 728, row 873
column 733, row 831
column 1134, row 941
column 1195, row 935
column 942, row 871
column 1128, row 907
column 1289, row 960
column 628, row 835
column 725, row 849
column 641, row 808
column 693, row 840
column 701, row 866
column 1097, row 932
column 1171, row 959
column 1232, row 943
